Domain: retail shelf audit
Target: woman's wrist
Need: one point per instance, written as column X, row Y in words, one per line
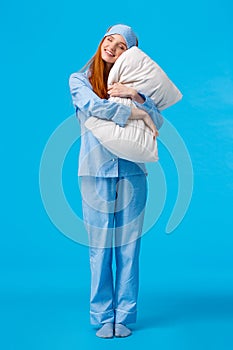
column 135, row 96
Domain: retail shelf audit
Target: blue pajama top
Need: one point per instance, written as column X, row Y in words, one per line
column 95, row 159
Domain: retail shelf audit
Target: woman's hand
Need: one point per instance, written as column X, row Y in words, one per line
column 137, row 113
column 149, row 122
column 120, row 90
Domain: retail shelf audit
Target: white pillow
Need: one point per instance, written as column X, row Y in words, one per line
column 136, row 69
column 135, row 142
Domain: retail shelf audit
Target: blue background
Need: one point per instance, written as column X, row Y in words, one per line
column 186, row 289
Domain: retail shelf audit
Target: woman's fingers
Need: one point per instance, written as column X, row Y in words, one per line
column 119, row 90
column 115, row 90
column 149, row 122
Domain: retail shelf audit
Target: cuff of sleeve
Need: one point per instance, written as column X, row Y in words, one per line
column 122, row 116
column 145, row 105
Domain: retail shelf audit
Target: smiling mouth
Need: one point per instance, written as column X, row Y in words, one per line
column 109, row 53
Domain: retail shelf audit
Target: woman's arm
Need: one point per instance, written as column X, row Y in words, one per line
column 85, row 100
column 150, row 107
column 141, row 101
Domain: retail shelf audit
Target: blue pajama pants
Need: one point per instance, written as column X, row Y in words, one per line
column 113, row 213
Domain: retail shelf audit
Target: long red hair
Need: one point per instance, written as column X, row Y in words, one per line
column 99, row 73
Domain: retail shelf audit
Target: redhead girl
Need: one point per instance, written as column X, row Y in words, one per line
column 114, row 190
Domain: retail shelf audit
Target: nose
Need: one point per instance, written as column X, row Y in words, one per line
column 112, row 46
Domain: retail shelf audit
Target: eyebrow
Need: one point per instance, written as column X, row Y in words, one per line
column 120, row 42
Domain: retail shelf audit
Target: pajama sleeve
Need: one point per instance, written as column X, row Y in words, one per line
column 85, row 100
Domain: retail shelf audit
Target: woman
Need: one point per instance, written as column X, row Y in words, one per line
column 114, row 190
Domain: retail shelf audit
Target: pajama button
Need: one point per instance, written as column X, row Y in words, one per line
column 113, row 159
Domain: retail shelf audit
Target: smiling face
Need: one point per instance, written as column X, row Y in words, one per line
column 112, row 47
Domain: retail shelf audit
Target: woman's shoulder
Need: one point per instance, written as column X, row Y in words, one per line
column 78, row 75
column 79, row 78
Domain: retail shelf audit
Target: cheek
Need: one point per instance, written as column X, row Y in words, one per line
column 119, row 52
